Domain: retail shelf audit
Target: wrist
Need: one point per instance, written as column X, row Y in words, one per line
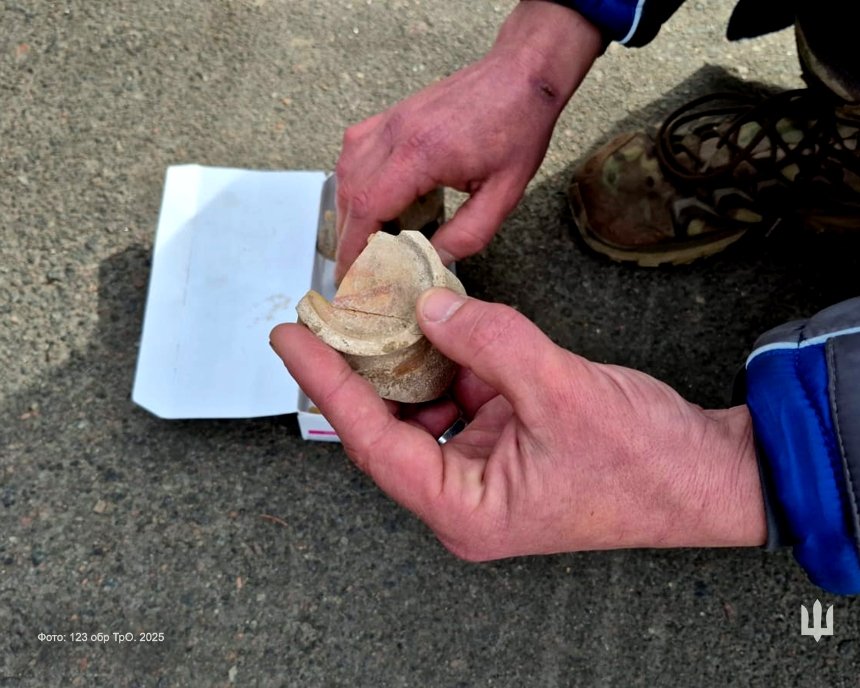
column 729, row 510
column 698, row 484
column 554, row 45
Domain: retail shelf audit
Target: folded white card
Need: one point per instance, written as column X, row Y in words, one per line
column 234, row 252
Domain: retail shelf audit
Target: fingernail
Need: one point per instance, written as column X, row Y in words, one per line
column 438, row 305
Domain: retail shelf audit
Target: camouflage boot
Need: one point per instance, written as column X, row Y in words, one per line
column 718, row 168
column 725, row 166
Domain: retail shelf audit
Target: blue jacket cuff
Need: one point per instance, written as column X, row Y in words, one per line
column 630, row 22
column 803, row 393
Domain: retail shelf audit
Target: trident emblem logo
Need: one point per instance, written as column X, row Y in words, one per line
column 817, row 630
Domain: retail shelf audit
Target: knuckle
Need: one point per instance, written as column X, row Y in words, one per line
column 329, row 398
column 344, row 188
column 341, row 171
column 470, row 241
column 493, row 325
column 365, row 444
column 391, row 128
column 351, row 136
column 359, row 204
column 360, row 450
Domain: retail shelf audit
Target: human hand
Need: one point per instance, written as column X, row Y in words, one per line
column 559, row 454
column 483, row 130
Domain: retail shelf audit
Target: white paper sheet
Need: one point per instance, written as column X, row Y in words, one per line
column 234, row 252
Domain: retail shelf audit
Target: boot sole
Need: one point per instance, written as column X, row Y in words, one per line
column 677, row 253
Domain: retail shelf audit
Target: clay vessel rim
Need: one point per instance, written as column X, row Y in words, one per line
column 313, row 306
column 353, row 343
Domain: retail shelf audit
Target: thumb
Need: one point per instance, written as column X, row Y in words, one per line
column 501, row 346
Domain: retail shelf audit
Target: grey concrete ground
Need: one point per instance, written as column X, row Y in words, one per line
column 113, row 521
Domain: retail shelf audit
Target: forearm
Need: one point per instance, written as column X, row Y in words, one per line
column 554, row 45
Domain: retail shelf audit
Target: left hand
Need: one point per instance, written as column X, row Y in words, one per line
column 483, row 130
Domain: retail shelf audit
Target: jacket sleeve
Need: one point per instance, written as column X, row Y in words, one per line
column 636, row 22
column 631, row 22
column 803, row 393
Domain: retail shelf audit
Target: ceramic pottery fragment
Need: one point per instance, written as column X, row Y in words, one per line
column 371, row 319
column 327, row 235
column 425, row 215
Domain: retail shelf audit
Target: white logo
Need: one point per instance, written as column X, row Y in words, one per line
column 817, row 629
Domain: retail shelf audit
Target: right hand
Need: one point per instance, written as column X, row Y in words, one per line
column 483, row 130
column 559, row 454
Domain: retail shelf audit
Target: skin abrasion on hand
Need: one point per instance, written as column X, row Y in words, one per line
column 371, row 320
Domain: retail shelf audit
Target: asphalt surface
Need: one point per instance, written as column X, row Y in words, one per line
column 112, row 521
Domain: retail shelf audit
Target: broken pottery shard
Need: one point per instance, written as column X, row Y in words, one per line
column 371, row 319
column 327, row 235
column 426, row 214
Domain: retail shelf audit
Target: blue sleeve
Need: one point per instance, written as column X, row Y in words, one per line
column 636, row 22
column 631, row 22
column 803, row 393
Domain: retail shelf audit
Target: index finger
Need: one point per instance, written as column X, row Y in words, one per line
column 370, row 202
column 403, row 460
